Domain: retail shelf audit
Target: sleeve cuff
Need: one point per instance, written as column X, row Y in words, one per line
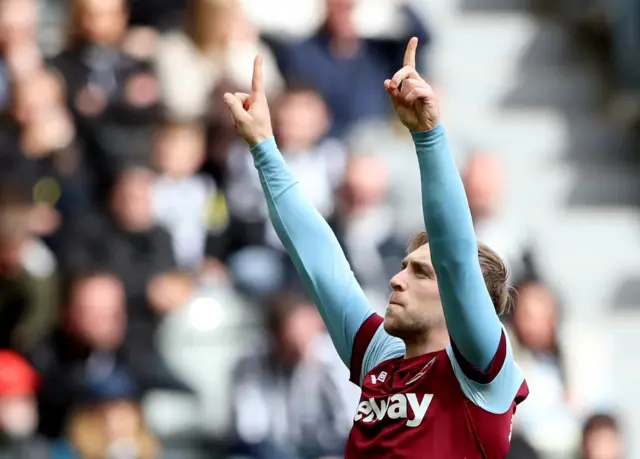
column 264, row 149
column 476, row 374
column 426, row 138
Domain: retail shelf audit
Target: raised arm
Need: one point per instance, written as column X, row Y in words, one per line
column 471, row 320
column 313, row 247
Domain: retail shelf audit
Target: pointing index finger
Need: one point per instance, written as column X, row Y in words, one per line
column 410, row 53
column 256, row 82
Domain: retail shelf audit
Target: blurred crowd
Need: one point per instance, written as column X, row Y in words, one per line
column 147, row 308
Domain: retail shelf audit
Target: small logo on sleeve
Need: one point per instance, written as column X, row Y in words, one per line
column 380, row 378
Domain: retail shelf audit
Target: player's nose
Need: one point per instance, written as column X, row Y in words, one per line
column 397, row 282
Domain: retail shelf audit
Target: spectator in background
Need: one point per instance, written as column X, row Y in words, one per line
column 27, row 277
column 288, row 402
column 108, row 422
column 113, row 95
column 86, row 346
column 19, row 53
column 336, row 57
column 390, row 153
column 301, row 120
column 92, row 340
column 601, row 438
column 209, row 57
column 41, row 152
column 127, row 240
column 18, row 410
column 214, row 49
column 484, row 182
column 548, row 421
column 366, row 181
column 186, row 202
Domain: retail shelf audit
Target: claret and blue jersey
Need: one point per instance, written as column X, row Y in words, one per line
column 455, row 403
column 432, row 405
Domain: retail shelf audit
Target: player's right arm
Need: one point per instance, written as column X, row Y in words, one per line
column 311, row 244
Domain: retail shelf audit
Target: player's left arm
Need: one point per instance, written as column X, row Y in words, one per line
column 480, row 350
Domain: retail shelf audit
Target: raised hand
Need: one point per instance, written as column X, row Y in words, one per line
column 251, row 111
column 413, row 99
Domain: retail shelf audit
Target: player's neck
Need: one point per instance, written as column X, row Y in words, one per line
column 432, row 341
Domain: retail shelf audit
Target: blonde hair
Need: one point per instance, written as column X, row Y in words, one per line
column 199, row 17
column 494, row 271
column 88, row 433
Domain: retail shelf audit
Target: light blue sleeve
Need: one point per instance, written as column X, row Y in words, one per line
column 382, row 347
column 471, row 319
column 314, row 249
column 469, row 312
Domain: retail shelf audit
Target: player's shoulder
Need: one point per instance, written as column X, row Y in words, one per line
column 372, row 346
column 495, row 388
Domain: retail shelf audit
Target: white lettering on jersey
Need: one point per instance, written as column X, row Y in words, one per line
column 379, row 411
column 395, row 407
column 419, row 409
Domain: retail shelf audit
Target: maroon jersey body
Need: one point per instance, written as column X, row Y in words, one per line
column 417, row 408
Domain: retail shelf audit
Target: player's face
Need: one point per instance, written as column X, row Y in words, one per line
column 414, row 304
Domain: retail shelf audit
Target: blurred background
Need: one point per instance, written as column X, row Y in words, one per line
column 146, row 307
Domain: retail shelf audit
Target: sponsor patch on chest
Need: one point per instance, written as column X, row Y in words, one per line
column 410, row 407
